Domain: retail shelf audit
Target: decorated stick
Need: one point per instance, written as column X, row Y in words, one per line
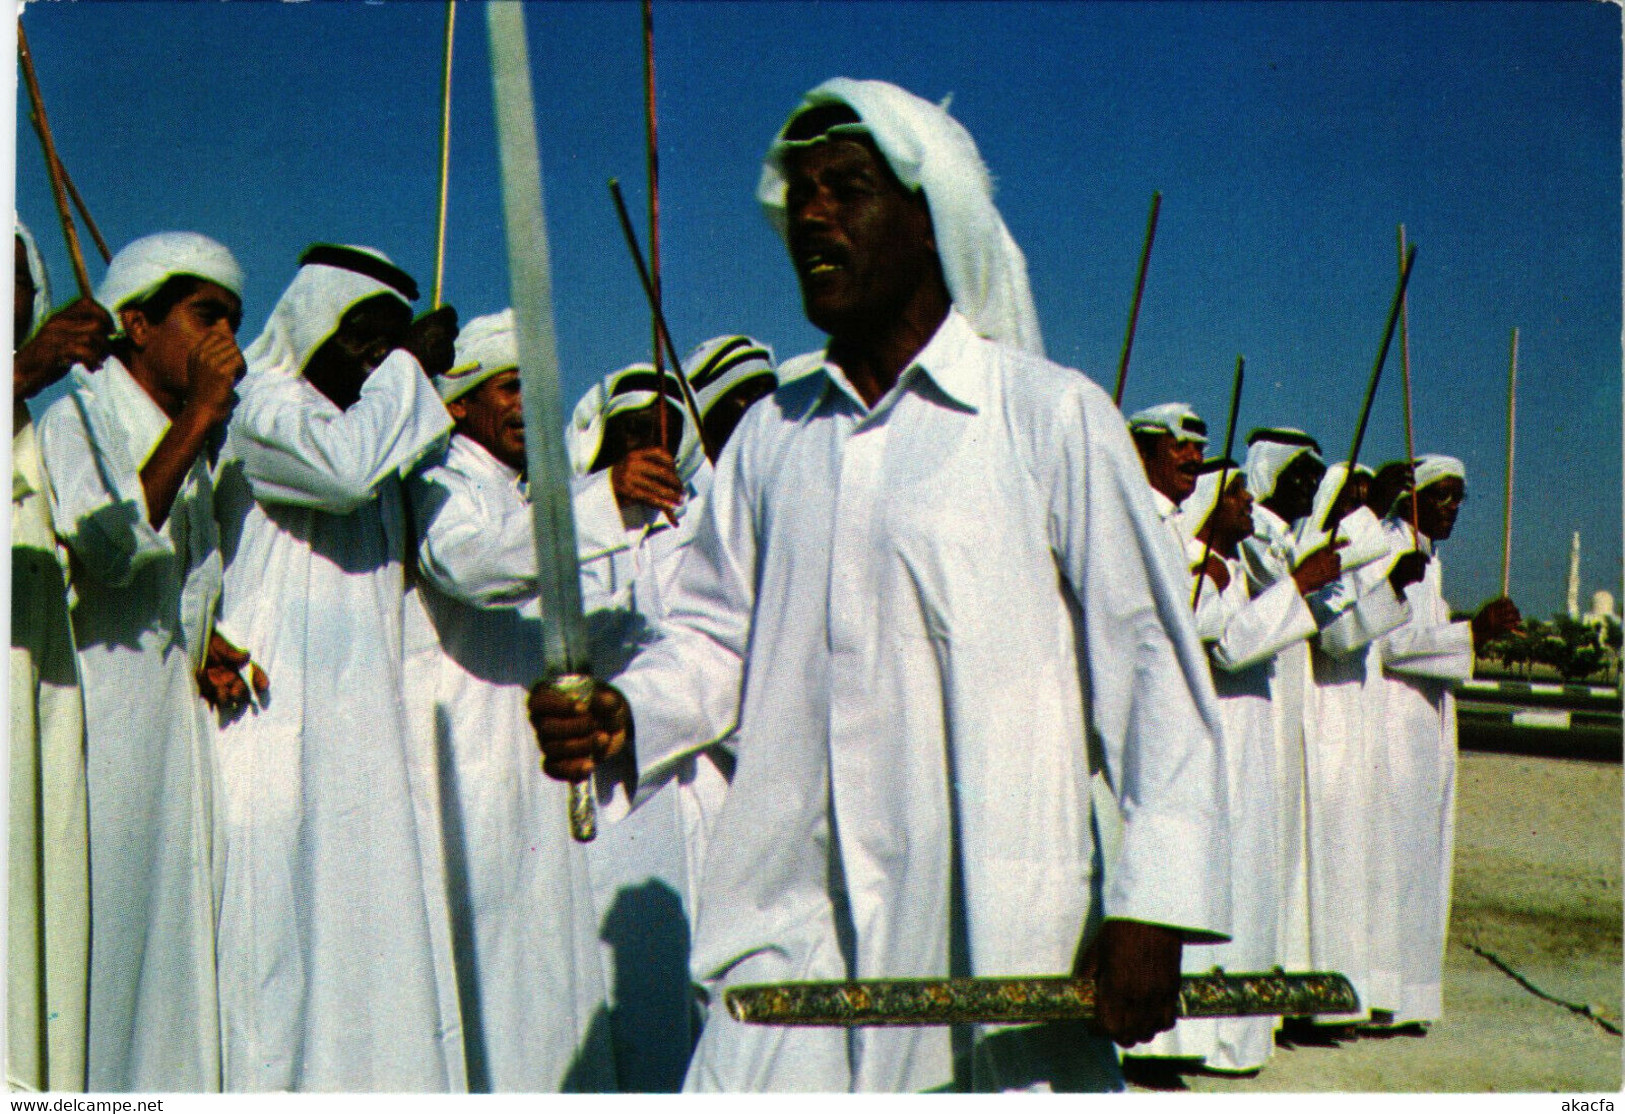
column 1139, row 289
column 652, row 162
column 445, row 156
column 1405, row 371
column 1512, row 428
column 1224, row 476
column 690, row 403
column 53, row 165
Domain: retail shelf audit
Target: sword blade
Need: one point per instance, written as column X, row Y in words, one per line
column 1011, row 1001
column 565, row 652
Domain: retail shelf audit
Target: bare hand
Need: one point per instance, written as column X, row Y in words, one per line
column 573, row 737
column 80, row 334
column 1496, row 618
column 432, row 338
column 1136, row 971
column 1319, row 568
column 220, row 679
column 1218, row 573
column 647, row 476
column 213, row 369
column 1408, row 570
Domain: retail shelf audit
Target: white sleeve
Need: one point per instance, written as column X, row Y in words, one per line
column 600, row 529
column 1434, row 651
column 1263, row 627
column 1376, row 611
column 685, row 686
column 296, row 449
column 475, row 545
column 1151, row 701
column 98, row 506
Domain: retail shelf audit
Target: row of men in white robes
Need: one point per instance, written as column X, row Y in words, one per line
column 297, row 838
column 1334, row 657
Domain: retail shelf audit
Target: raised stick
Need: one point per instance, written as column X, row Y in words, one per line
column 1405, row 372
column 652, row 162
column 445, row 156
column 660, row 318
column 53, row 165
column 1512, row 428
column 1139, row 289
column 1224, row 477
column 84, row 214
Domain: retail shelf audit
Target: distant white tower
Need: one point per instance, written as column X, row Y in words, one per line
column 1574, row 577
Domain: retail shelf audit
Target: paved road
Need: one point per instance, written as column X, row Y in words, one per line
column 1538, row 889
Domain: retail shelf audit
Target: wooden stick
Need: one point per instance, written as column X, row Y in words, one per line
column 652, row 162
column 1224, row 478
column 1139, row 290
column 84, row 214
column 660, row 318
column 53, row 165
column 1512, row 429
column 445, row 156
column 1405, row 370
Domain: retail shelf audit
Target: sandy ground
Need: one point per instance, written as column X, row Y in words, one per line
column 1538, row 852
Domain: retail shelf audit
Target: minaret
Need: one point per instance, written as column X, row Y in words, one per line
column 1574, row 577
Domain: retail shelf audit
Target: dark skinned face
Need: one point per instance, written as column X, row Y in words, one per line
column 1437, row 506
column 1232, row 519
column 1294, row 494
column 862, row 244
column 1171, row 465
column 725, row 413
column 22, row 298
column 638, row 429
column 163, row 350
column 369, row 331
column 492, row 416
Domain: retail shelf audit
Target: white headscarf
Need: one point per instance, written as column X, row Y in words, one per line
column 1176, row 418
column 1267, row 459
column 486, row 346
column 1359, row 527
column 143, row 265
column 42, row 283
column 722, row 363
column 619, row 392
column 309, row 312
column 931, row 151
column 1433, row 467
column 1196, row 509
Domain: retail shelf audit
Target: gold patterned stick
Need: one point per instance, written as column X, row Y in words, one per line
column 1011, row 1001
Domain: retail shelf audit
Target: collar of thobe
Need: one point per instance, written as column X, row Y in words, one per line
column 481, row 458
column 1166, row 507
column 137, row 416
column 941, row 360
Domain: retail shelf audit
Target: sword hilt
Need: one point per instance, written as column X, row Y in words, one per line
column 577, row 687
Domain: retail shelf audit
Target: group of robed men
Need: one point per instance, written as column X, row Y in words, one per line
column 1334, row 657
column 912, row 656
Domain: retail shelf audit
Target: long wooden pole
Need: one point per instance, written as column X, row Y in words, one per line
column 1512, row 429
column 84, row 214
column 445, row 156
column 1405, row 371
column 53, row 165
column 1224, row 478
column 652, row 162
column 687, row 392
column 1139, row 290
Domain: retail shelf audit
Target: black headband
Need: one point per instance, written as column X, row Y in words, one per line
column 362, row 263
column 1283, row 437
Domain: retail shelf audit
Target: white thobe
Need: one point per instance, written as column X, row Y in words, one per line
column 1339, row 788
column 336, row 969
column 145, row 599
column 927, row 618
column 534, row 1013
column 1267, row 559
column 1243, row 635
column 48, row 853
column 1416, row 668
column 646, row 865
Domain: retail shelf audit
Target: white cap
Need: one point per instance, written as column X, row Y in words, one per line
column 1175, row 418
column 486, row 346
column 144, row 265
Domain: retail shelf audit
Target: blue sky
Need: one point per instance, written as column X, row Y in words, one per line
column 1288, row 140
